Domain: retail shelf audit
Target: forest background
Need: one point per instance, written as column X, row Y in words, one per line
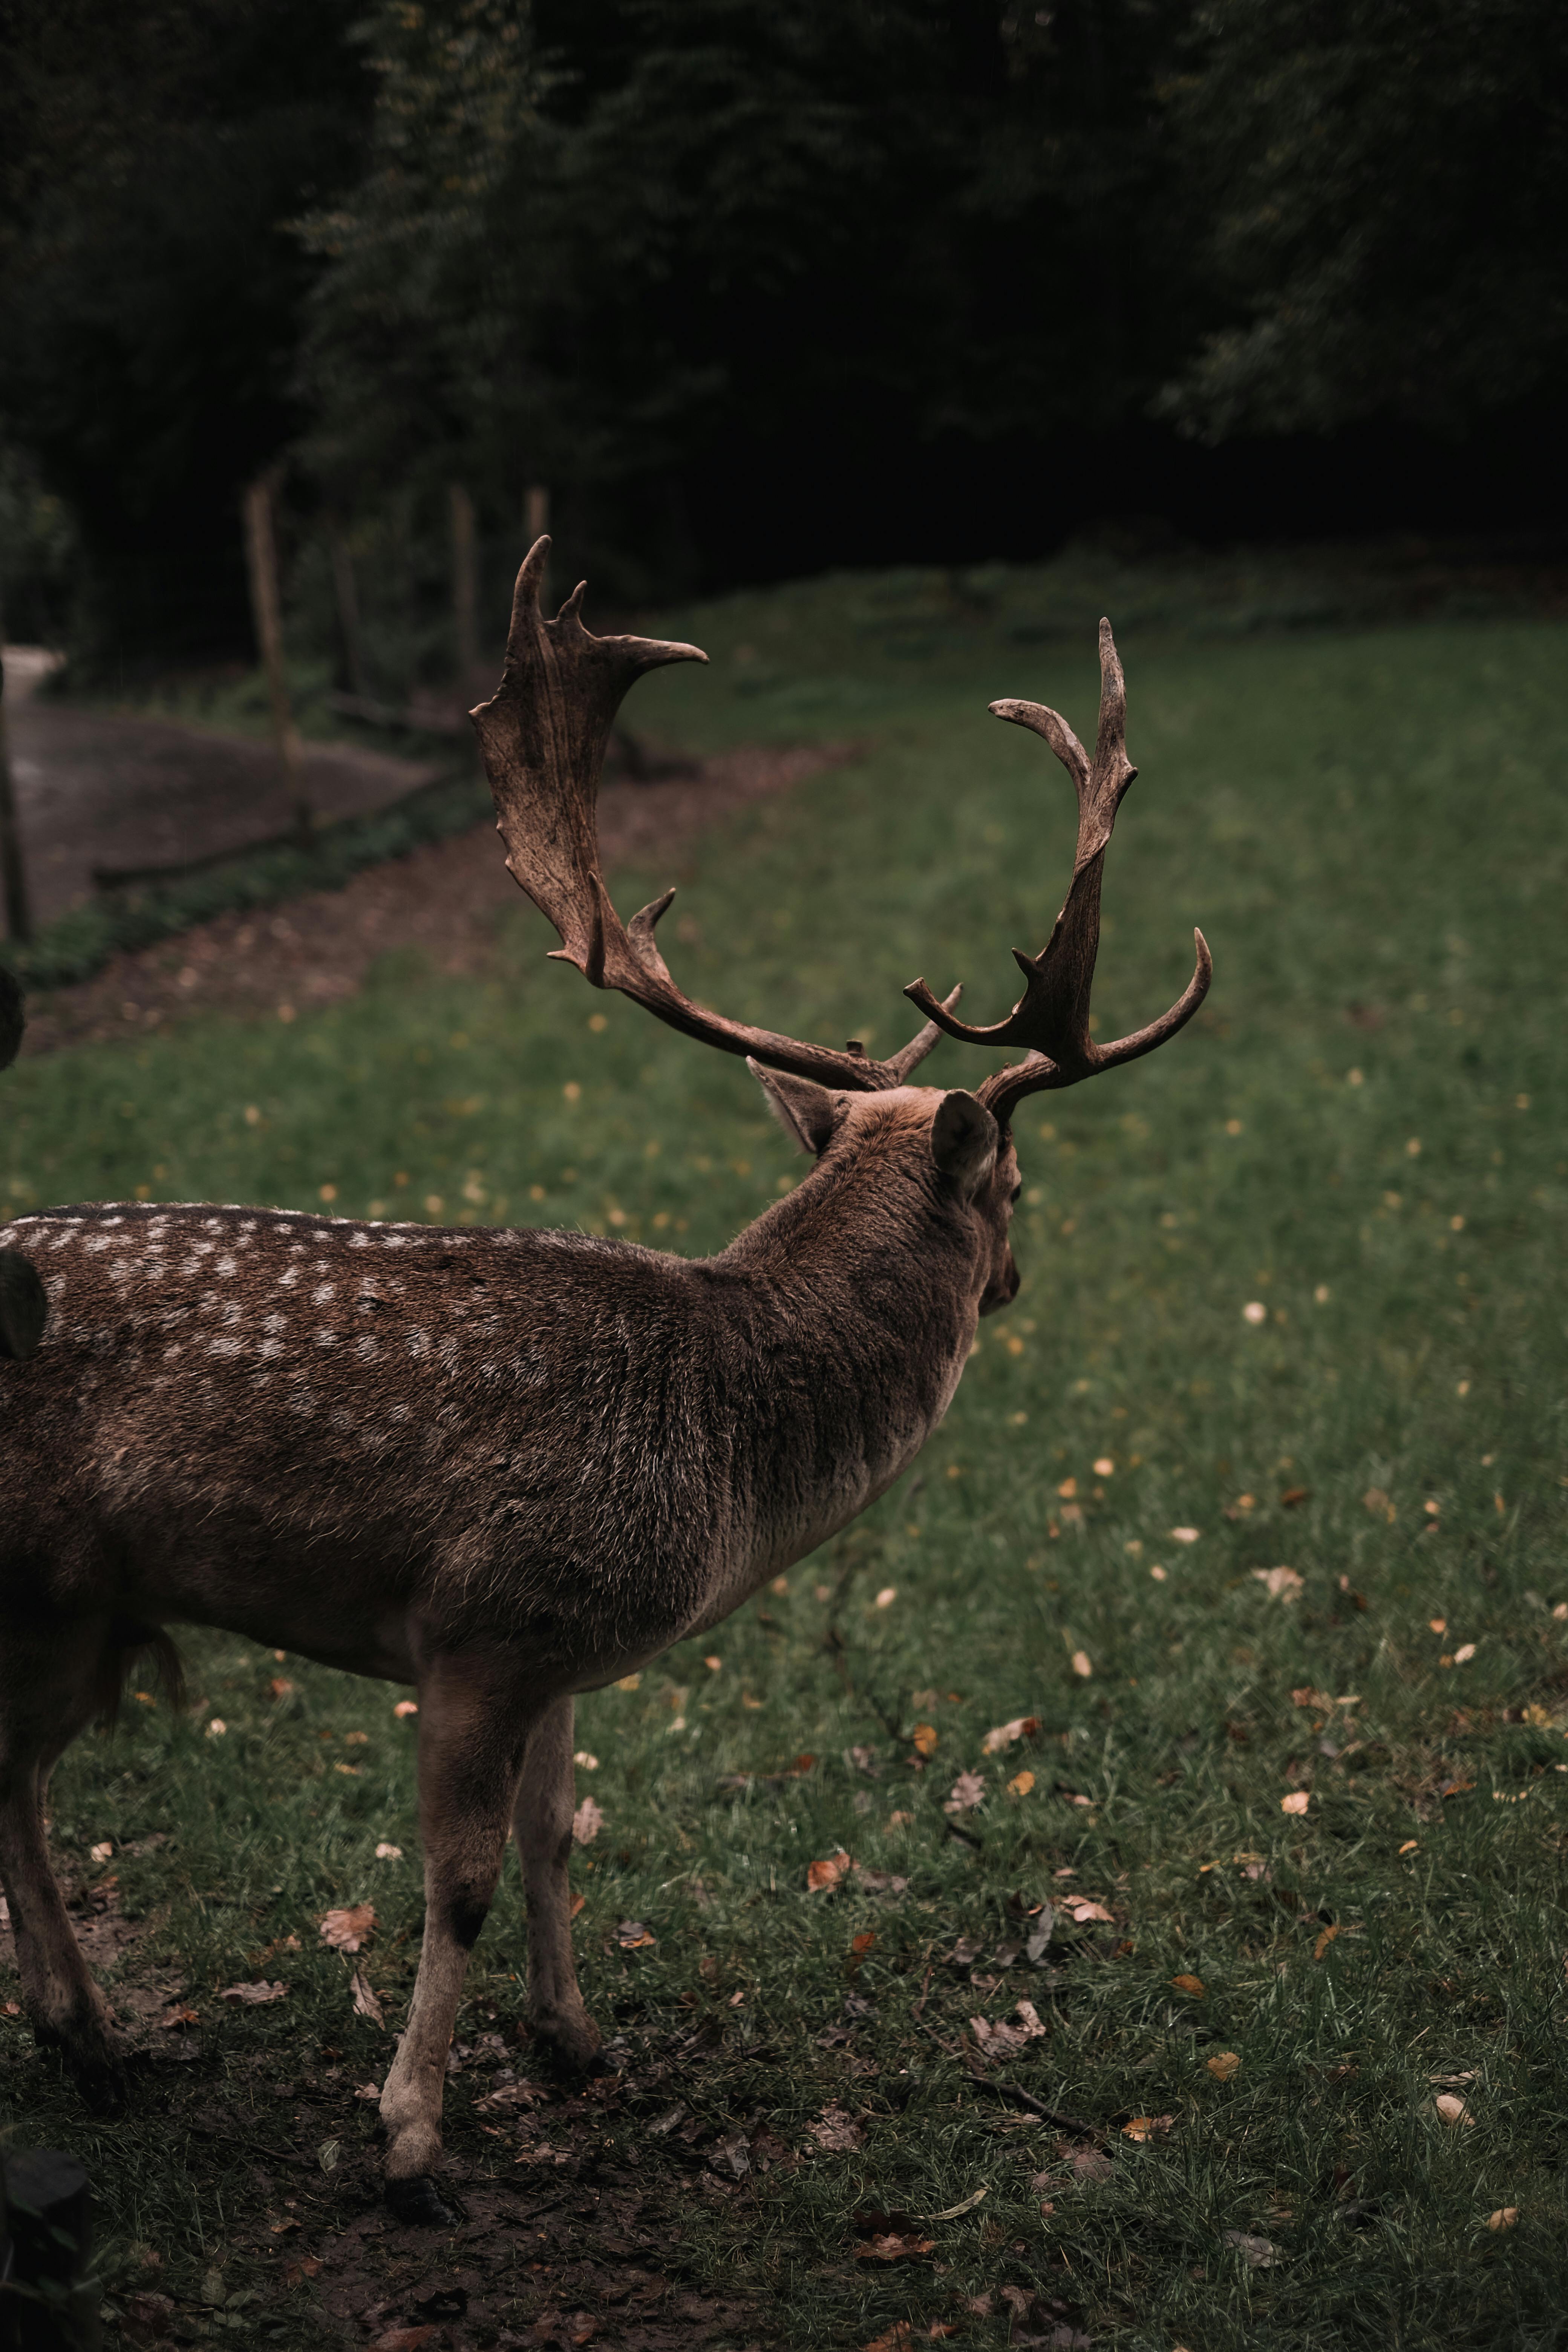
column 757, row 292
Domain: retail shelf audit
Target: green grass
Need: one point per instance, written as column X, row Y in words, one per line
column 1363, row 1135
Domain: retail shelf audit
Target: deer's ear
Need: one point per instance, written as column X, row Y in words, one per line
column 965, row 1138
column 812, row 1114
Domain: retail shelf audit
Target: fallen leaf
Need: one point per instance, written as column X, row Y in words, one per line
column 1464, row 1654
column 1039, row 1936
column 631, row 1935
column 732, row 2158
column 1452, row 2109
column 965, row 2205
column 863, row 1942
column 1146, row 2128
column 254, row 1995
column 385, row 1853
column 821, row 1875
column 900, row 1820
column 1089, row 2163
column 1222, row 2065
column 104, row 1852
column 1307, row 1697
column 1292, row 1495
column 1003, row 2041
column 967, row 1791
column 902, row 2337
column 1256, row 2252
column 1020, row 1784
column 1296, row 1802
column 1080, row 1665
column 1324, row 1940
column 1184, row 1535
column 402, row 2339
column 1504, row 2217
column 586, row 1822
column 1375, row 1501
column 893, row 2248
column 1279, row 1583
column 1194, row 1985
column 366, row 2002
column 1410, row 1845
column 348, row 1929
column 371, row 2091
column 1003, row 1735
column 836, row 2132
column 1083, row 1911
column 924, row 1738
column 174, row 2020
column 407, row 1706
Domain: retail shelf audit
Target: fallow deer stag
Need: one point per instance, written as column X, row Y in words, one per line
column 506, row 1466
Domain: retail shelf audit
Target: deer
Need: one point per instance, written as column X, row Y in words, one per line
column 503, row 1466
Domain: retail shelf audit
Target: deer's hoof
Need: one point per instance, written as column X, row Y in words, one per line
column 418, row 2201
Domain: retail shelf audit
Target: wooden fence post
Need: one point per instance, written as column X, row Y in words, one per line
column 13, row 867
column 464, row 584
column 535, row 523
column 345, row 594
column 267, row 609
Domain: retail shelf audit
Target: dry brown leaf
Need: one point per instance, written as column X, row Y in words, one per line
column 1279, row 1583
column 1307, row 1697
column 1002, row 2041
column 1023, row 1726
column 837, row 2131
column 174, row 2020
column 1452, row 2109
column 631, row 1935
column 1504, row 2217
column 586, row 1822
column 1222, row 2065
column 1082, row 1665
column 577, row 1902
column 1296, row 1802
column 1082, row 1911
column 901, row 2337
column 254, row 1995
column 1194, row 1985
column 924, row 1738
column 1147, row 2127
column 893, row 2248
column 967, row 1791
column 1375, row 1501
column 365, row 2000
column 386, row 1852
column 402, row 2339
column 1324, row 1940
column 348, row 1929
column 821, row 1875
column 1020, row 1784
column 1257, row 2254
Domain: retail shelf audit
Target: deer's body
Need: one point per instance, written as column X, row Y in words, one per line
column 502, row 1467
column 576, row 1446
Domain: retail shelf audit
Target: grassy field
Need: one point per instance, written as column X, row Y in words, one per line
column 1291, row 1303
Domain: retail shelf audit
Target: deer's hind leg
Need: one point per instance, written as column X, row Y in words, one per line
column 474, row 1720
column 541, row 1824
column 51, row 1684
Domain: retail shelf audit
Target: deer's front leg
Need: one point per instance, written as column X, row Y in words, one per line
column 473, row 1730
column 541, row 1824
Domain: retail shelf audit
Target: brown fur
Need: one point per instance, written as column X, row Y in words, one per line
column 501, row 1466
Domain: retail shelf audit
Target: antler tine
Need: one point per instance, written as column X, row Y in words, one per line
column 1051, row 1017
column 543, row 736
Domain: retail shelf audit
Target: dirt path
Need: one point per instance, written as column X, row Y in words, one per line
column 108, row 788
column 443, row 899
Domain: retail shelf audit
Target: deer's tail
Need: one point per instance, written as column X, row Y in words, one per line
column 23, row 1309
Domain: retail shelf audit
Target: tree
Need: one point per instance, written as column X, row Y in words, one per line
column 1382, row 190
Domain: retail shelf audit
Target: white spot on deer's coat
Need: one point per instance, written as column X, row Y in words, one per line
column 274, row 1322
column 323, row 1292
column 418, row 1345
column 224, row 1347
column 226, row 1264
column 270, row 1349
column 367, row 1348
column 289, row 1277
column 326, row 1339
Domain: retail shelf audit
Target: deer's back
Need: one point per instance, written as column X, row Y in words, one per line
column 484, row 1422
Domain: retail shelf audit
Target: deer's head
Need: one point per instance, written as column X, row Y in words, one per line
column 544, row 736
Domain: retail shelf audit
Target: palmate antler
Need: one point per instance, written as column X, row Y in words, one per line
column 1051, row 1017
column 544, row 736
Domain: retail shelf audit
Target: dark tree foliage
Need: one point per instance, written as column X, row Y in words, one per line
column 1386, row 184
column 595, row 237
column 149, row 287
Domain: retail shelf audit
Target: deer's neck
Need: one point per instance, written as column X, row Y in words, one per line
column 850, row 1309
